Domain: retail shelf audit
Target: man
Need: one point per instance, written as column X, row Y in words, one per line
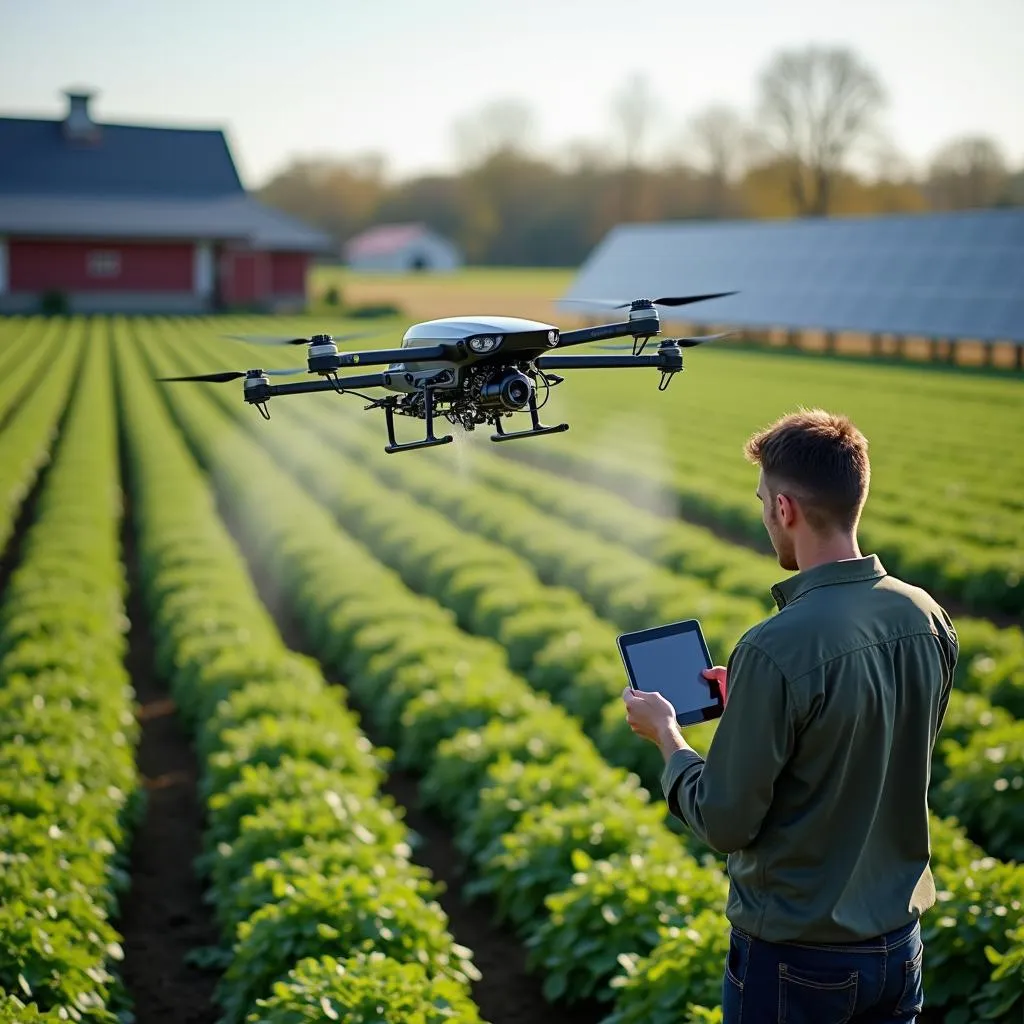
column 816, row 781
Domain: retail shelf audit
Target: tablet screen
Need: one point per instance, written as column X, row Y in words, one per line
column 672, row 665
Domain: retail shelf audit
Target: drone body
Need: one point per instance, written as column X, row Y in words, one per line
column 471, row 370
column 484, row 340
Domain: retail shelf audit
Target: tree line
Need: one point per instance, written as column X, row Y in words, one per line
column 813, row 146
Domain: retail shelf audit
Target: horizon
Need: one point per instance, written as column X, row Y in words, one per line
column 216, row 62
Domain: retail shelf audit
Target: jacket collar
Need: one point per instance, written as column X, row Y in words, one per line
column 848, row 570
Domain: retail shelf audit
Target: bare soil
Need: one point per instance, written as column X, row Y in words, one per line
column 163, row 915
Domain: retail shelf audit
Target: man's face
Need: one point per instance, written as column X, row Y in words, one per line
column 780, row 537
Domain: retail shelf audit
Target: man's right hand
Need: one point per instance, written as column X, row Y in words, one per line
column 717, row 675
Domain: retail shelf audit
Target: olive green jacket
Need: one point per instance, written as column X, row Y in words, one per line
column 816, row 780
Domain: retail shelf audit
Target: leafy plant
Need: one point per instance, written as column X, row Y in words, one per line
column 286, row 824
column 683, row 970
column 979, row 907
column 13, row 1010
column 269, row 739
column 548, row 844
column 274, row 878
column 69, row 794
column 984, row 788
column 364, row 989
column 1002, row 996
column 511, row 787
column 349, row 911
column 307, row 854
column 454, row 780
column 615, row 907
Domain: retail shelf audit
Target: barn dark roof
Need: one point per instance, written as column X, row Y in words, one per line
column 78, row 178
column 124, row 160
column 941, row 275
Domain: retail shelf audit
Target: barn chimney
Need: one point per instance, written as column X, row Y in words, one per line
column 78, row 124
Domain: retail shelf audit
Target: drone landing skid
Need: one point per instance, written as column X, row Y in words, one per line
column 537, row 430
column 430, row 441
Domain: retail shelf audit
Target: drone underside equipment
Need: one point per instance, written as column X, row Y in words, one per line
column 469, row 370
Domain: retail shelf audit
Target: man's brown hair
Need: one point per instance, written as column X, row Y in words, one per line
column 821, row 459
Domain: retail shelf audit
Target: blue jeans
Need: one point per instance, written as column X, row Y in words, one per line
column 877, row 981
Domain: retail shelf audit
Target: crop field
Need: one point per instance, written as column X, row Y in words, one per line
column 294, row 730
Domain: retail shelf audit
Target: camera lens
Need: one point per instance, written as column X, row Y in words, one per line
column 516, row 393
column 511, row 390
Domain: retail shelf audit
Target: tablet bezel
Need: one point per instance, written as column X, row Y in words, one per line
column 623, row 641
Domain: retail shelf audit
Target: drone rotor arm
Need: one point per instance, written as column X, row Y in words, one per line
column 383, row 356
column 639, row 328
column 337, row 384
column 553, row 362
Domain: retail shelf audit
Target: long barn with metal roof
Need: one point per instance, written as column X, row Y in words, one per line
column 112, row 217
column 942, row 276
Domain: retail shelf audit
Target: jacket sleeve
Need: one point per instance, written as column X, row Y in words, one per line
column 952, row 651
column 723, row 799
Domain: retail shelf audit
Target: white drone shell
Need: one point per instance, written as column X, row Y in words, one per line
column 456, row 328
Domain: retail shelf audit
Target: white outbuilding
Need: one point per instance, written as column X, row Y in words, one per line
column 401, row 248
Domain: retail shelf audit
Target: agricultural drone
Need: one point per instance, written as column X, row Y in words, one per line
column 471, row 370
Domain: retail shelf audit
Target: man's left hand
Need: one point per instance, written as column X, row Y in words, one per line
column 650, row 715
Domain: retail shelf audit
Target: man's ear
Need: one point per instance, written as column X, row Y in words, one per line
column 787, row 509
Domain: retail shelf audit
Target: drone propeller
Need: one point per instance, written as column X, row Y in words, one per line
column 665, row 300
column 269, row 339
column 226, row 375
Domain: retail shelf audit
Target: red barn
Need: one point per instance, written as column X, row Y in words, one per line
column 130, row 218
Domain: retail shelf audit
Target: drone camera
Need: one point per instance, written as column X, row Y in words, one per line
column 511, row 390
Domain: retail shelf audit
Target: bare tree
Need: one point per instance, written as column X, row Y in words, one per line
column 717, row 141
column 718, row 138
column 967, row 173
column 817, row 105
column 634, row 110
column 501, row 126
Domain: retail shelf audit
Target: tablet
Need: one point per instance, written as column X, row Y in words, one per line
column 669, row 659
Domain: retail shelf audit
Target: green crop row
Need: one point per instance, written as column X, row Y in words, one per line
column 987, row 773
column 14, row 339
column 936, row 555
column 21, row 361
column 919, row 451
column 69, row 793
column 493, row 592
column 488, row 587
column 29, row 434
column 579, row 860
column 308, row 867
column 991, row 659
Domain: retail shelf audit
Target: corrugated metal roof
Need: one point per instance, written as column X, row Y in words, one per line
column 234, row 217
column 944, row 275
column 125, row 160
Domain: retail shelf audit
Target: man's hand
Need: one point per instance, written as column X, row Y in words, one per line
column 717, row 675
column 653, row 718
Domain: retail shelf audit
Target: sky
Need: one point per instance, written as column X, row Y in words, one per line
column 315, row 78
